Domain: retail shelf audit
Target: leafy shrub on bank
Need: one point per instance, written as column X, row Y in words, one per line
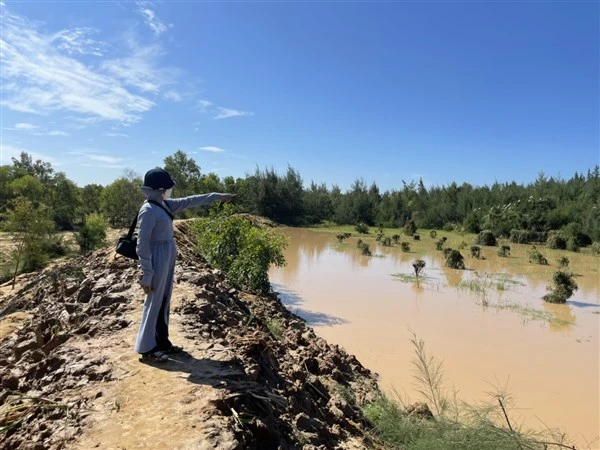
column 410, row 228
column 527, row 236
column 361, row 228
column 556, row 241
column 386, row 241
column 475, row 251
column 235, row 245
column 405, row 246
column 433, row 234
column 92, row 234
column 487, row 238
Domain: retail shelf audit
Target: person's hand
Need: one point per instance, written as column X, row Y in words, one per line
column 147, row 289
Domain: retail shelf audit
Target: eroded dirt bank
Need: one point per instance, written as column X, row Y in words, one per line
column 254, row 375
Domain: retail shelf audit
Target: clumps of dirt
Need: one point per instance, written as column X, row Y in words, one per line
column 41, row 378
column 297, row 391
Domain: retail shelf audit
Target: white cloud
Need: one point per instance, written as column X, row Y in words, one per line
column 39, row 79
column 116, row 135
column 152, row 19
column 8, row 151
column 107, row 159
column 78, row 41
column 173, row 96
column 25, row 126
column 212, row 149
column 58, row 133
column 203, row 105
column 225, row 113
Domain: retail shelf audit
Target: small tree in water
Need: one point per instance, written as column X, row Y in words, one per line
column 405, row 246
column 536, row 257
column 387, row 241
column 504, row 251
column 439, row 245
column 433, row 234
column 361, row 228
column 410, row 228
column 418, row 266
column 563, row 262
column 475, row 251
column 455, row 260
column 396, row 239
column 563, row 289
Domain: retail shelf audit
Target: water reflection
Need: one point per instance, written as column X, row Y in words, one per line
column 293, row 302
column 563, row 317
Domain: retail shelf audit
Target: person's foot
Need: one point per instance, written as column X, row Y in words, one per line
column 156, row 357
column 173, row 349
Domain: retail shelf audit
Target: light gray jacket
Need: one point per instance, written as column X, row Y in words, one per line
column 155, row 226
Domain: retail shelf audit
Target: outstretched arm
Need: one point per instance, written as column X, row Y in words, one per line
column 178, row 204
column 146, row 221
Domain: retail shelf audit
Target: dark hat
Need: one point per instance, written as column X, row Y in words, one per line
column 158, row 179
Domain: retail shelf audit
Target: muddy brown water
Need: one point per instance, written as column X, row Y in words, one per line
column 498, row 333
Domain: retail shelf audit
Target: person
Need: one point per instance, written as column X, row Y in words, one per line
column 157, row 253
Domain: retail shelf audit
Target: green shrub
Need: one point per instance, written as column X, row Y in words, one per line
column 433, row 234
column 234, row 244
column 563, row 288
column 416, row 237
column 439, row 245
column 556, row 241
column 92, row 234
column 410, row 228
column 504, row 251
column 379, row 237
column 572, row 244
column 386, row 241
column 405, row 246
column 475, row 251
column 446, row 252
column 443, row 239
column 596, row 248
column 365, row 250
column 361, row 228
column 462, row 245
column 486, row 237
column 396, row 238
column 563, row 262
column 455, row 260
column 527, row 236
column 536, row 257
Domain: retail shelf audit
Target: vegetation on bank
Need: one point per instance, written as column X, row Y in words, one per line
column 562, row 212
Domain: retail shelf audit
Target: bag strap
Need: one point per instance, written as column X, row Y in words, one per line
column 132, row 227
column 161, row 206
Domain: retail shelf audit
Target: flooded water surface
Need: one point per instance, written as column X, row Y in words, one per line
column 488, row 323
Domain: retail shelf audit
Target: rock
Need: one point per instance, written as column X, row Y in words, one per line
column 419, row 410
column 305, row 423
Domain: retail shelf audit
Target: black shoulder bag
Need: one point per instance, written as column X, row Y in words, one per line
column 128, row 242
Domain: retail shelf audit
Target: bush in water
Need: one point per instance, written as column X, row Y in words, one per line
column 416, row 237
column 563, row 289
column 563, row 262
column 536, row 257
column 475, row 251
column 405, row 246
column 362, row 228
column 410, row 228
column 396, row 238
column 439, row 245
column 455, row 260
column 504, row 251
column 418, row 266
column 433, row 234
column 387, row 241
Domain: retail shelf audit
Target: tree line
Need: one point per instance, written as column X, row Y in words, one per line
column 31, row 188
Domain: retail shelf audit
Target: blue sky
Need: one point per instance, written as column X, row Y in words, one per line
column 446, row 91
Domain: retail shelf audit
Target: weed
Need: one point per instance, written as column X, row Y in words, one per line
column 275, row 328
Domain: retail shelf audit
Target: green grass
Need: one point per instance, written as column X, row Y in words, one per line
column 275, row 328
column 530, row 313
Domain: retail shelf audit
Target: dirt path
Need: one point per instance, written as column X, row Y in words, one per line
column 168, row 405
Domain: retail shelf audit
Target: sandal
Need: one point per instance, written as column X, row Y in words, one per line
column 157, row 357
column 173, row 349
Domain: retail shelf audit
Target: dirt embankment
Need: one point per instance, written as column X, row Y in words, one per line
column 254, row 375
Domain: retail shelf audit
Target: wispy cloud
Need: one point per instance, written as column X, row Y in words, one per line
column 39, row 78
column 204, row 105
column 151, row 19
column 116, row 135
column 107, row 159
column 226, row 113
column 78, row 41
column 172, row 96
column 25, row 126
column 212, row 149
column 58, row 133
column 96, row 158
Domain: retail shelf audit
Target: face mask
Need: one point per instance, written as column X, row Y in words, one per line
column 167, row 193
